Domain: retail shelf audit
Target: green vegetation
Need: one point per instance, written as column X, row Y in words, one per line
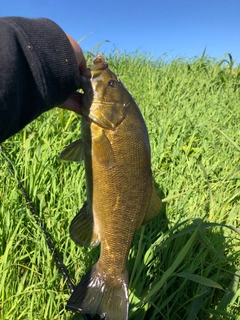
column 183, row 265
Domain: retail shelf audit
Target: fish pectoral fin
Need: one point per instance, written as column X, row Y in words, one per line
column 102, row 149
column 108, row 116
column 101, row 293
column 154, row 207
column 82, row 230
column 73, row 152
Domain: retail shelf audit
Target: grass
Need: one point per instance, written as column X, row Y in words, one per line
column 183, row 265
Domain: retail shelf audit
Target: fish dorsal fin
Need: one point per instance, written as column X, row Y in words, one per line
column 83, row 230
column 102, row 148
column 106, row 115
column 73, row 152
column 154, row 207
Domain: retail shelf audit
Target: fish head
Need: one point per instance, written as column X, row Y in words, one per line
column 107, row 87
column 109, row 96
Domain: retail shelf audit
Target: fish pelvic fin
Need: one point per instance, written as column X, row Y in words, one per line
column 82, row 230
column 154, row 207
column 99, row 293
column 73, row 152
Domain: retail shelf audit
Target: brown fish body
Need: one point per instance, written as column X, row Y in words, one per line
column 120, row 194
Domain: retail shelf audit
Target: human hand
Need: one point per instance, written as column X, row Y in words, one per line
column 75, row 101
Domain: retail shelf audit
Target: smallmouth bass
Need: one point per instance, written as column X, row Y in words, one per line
column 121, row 195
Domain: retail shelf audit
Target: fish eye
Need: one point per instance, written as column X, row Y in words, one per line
column 112, row 83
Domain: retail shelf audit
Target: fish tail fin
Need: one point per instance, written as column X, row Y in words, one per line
column 101, row 294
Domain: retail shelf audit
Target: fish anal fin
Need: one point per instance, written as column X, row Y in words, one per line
column 154, row 207
column 102, row 148
column 73, row 152
column 82, row 229
column 101, row 293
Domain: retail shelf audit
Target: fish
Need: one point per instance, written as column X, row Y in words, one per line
column 121, row 194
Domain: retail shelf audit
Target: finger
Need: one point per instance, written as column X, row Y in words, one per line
column 74, row 103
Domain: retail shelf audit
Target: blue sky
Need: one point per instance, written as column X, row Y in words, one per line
column 172, row 27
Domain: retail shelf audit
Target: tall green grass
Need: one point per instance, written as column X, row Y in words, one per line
column 183, row 265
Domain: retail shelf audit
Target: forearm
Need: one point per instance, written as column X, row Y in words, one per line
column 38, row 71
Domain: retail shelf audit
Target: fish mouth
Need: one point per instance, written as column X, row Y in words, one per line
column 108, row 103
column 105, row 103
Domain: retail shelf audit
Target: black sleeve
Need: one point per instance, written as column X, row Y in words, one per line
column 38, row 70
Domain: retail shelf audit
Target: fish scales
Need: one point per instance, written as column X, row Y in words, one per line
column 120, row 191
column 121, row 209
